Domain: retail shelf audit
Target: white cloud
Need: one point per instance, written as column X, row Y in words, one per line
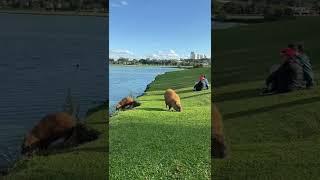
column 117, row 53
column 119, row 4
column 170, row 54
column 125, row 3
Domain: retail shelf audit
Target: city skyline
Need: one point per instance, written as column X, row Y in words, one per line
column 153, row 32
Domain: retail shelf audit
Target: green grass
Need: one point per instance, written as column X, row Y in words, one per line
column 87, row 161
column 268, row 137
column 150, row 142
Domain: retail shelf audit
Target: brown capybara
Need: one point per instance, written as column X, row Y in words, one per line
column 127, row 102
column 172, row 99
column 218, row 147
column 49, row 129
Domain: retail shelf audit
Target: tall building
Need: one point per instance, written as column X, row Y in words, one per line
column 192, row 55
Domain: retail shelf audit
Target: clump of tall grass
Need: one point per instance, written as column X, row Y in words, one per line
column 71, row 105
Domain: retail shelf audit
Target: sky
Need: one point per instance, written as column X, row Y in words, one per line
column 159, row 29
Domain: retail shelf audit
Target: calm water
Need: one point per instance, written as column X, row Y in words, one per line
column 37, row 65
column 130, row 80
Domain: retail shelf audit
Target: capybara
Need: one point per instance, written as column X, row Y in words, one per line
column 218, row 147
column 127, row 103
column 49, row 129
column 172, row 100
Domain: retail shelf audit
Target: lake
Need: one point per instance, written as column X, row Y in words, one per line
column 38, row 55
column 130, row 80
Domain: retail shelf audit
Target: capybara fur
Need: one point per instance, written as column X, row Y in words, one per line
column 49, row 129
column 127, row 103
column 218, row 147
column 172, row 100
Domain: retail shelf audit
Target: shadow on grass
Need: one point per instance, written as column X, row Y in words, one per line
column 99, row 149
column 152, row 109
column 242, row 94
column 195, row 95
column 184, row 91
column 152, row 100
column 97, row 122
column 102, row 106
column 271, row 108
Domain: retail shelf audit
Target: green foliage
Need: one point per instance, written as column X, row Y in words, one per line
column 54, row 5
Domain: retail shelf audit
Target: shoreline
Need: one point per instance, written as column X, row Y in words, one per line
column 114, row 113
column 142, row 65
column 6, row 170
column 56, row 13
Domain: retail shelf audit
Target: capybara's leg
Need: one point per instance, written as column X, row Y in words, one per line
column 219, row 147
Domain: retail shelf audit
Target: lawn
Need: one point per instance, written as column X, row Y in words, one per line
column 150, row 142
column 268, row 137
column 87, row 161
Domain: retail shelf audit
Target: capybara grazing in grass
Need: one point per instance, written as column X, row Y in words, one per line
column 217, row 138
column 49, row 129
column 172, row 100
column 127, row 103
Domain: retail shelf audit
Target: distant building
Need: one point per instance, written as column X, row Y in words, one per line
column 192, row 55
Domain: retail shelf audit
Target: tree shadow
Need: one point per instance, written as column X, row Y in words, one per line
column 99, row 149
column 236, row 95
column 152, row 109
column 98, row 122
column 195, row 95
column 271, row 108
column 153, row 100
column 184, row 91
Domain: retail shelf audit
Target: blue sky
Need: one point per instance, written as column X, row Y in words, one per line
column 159, row 28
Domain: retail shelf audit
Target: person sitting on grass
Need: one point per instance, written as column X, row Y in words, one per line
column 288, row 77
column 306, row 65
column 202, row 83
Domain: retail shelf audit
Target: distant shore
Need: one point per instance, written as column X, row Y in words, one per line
column 57, row 13
column 160, row 66
column 240, row 19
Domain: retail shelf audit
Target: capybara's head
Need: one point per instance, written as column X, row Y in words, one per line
column 29, row 144
column 136, row 103
column 118, row 107
column 177, row 107
column 219, row 149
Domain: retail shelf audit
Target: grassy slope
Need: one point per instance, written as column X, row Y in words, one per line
column 87, row 161
column 270, row 137
column 152, row 143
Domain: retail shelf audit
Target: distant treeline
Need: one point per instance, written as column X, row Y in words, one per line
column 270, row 9
column 57, row 5
column 184, row 62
